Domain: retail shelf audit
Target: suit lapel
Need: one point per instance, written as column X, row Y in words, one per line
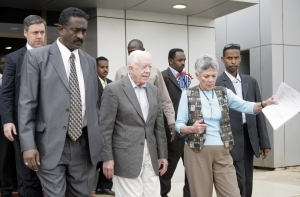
column 227, row 82
column 58, row 64
column 130, row 93
column 172, row 78
column 244, row 85
column 84, row 67
column 151, row 99
column 100, row 87
column 21, row 57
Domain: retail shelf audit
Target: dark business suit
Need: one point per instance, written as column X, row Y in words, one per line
column 103, row 182
column 28, row 182
column 250, row 138
column 6, row 164
column 175, row 148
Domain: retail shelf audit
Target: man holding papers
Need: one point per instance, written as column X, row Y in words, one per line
column 249, row 132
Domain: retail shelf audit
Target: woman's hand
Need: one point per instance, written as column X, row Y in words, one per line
column 198, row 127
column 269, row 101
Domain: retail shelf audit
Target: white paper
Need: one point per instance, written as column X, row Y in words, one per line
column 288, row 106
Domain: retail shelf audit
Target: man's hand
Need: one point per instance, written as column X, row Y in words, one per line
column 108, row 169
column 198, row 127
column 162, row 166
column 264, row 152
column 172, row 131
column 8, row 129
column 32, row 159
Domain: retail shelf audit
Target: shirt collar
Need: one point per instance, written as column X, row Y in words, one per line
column 65, row 51
column 133, row 84
column 28, row 46
column 232, row 78
column 102, row 80
column 175, row 72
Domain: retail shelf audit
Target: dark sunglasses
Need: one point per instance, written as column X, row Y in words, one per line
column 228, row 46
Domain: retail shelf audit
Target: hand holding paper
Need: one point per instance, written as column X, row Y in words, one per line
column 288, row 106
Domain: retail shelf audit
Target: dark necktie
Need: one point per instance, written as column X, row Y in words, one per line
column 75, row 118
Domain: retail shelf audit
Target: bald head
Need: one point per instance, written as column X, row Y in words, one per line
column 135, row 44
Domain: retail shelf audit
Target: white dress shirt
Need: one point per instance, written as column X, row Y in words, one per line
column 66, row 54
column 237, row 84
column 28, row 46
column 104, row 83
column 141, row 95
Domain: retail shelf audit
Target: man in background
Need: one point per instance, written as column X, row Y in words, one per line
column 104, row 185
column 34, row 31
column 249, row 132
column 156, row 79
column 171, row 75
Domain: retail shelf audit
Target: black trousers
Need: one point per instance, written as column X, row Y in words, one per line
column 103, row 182
column 244, row 168
column 28, row 183
column 175, row 152
column 6, row 166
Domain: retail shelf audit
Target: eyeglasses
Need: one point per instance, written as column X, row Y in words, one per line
column 228, row 46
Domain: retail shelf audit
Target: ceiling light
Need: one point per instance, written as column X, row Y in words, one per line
column 179, row 6
column 14, row 28
column 8, row 47
column 56, row 24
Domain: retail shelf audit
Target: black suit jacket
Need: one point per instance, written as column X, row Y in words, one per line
column 175, row 95
column 10, row 91
column 257, row 129
column 100, row 89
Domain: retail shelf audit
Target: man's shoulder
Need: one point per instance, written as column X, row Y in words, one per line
column 16, row 53
column 248, row 77
column 108, row 80
column 86, row 55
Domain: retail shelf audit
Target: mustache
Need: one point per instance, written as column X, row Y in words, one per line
column 78, row 40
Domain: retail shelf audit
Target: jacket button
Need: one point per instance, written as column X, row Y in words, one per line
column 67, row 110
column 64, row 127
column 68, row 92
column 142, row 144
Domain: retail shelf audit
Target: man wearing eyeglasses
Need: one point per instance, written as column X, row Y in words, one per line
column 249, row 132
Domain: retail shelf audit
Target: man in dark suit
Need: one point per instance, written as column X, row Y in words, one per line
column 249, row 132
column 34, row 31
column 58, row 118
column 104, row 185
column 176, row 60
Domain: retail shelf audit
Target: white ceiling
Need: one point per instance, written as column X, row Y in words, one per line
column 199, row 8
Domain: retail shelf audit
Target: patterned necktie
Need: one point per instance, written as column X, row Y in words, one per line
column 75, row 118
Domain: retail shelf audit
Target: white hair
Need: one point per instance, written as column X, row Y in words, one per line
column 136, row 56
column 205, row 62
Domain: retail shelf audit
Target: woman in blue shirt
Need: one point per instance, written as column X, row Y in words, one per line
column 203, row 116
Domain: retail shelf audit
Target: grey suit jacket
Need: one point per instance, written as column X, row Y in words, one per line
column 45, row 101
column 257, row 129
column 124, row 128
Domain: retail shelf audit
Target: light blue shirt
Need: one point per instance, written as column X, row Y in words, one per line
column 211, row 114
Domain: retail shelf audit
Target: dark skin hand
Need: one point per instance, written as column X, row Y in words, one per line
column 32, row 159
column 264, row 152
column 172, row 131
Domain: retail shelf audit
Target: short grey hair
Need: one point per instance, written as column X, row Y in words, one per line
column 135, row 56
column 32, row 20
column 205, row 62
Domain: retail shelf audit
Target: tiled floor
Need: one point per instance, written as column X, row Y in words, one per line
column 277, row 183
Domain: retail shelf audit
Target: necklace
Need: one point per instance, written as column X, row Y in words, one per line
column 209, row 101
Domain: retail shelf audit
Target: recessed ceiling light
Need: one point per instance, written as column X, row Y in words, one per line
column 14, row 28
column 7, row 47
column 179, row 6
column 56, row 24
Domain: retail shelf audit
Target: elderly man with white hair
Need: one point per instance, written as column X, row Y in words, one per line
column 131, row 119
column 203, row 116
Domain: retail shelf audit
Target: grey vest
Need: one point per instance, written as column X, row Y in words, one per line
column 196, row 141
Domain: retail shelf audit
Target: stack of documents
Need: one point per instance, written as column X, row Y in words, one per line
column 288, row 106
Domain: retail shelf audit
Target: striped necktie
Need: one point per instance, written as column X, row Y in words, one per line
column 75, row 118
